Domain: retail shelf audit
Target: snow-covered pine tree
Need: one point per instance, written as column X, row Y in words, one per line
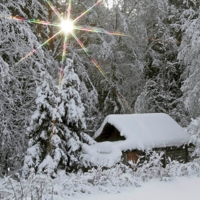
column 70, row 105
column 71, row 117
column 55, row 131
column 40, row 130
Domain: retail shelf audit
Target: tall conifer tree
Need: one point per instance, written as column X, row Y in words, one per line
column 55, row 133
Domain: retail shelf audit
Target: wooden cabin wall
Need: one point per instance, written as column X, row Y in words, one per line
column 180, row 154
column 174, row 153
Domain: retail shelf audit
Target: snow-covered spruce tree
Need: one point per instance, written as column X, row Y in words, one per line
column 70, row 105
column 87, row 90
column 55, row 132
column 71, row 117
column 40, row 129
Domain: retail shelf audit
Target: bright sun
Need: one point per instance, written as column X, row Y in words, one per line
column 67, row 26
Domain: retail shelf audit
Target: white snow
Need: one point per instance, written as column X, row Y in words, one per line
column 48, row 165
column 183, row 188
column 101, row 154
column 146, row 131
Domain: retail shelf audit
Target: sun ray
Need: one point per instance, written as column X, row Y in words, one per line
column 63, row 58
column 102, row 72
column 86, row 51
column 34, row 50
column 64, row 49
column 69, row 10
column 124, row 101
column 30, row 20
column 54, row 9
column 98, row 30
column 84, row 13
column 65, row 43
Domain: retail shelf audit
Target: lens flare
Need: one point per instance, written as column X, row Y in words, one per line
column 84, row 13
column 34, row 50
column 29, row 20
column 98, row 30
column 69, row 9
column 67, row 26
column 92, row 59
column 54, row 9
column 63, row 59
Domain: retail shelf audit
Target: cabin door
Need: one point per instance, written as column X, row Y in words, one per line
column 132, row 156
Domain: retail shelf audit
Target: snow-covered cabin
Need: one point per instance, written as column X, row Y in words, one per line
column 131, row 135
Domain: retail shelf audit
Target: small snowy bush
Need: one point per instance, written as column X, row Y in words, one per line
column 38, row 187
column 176, row 169
column 151, row 168
column 100, row 180
column 194, row 131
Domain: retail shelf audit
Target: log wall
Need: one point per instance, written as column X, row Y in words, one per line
column 170, row 153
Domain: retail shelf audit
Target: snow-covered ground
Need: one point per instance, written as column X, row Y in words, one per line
column 149, row 182
column 179, row 188
column 183, row 188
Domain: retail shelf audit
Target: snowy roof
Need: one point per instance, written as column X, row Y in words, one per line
column 146, row 131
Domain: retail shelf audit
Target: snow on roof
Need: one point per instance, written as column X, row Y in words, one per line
column 146, row 131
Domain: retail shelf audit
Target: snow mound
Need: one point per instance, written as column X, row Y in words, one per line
column 101, row 154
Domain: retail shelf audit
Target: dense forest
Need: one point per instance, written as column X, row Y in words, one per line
column 152, row 68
